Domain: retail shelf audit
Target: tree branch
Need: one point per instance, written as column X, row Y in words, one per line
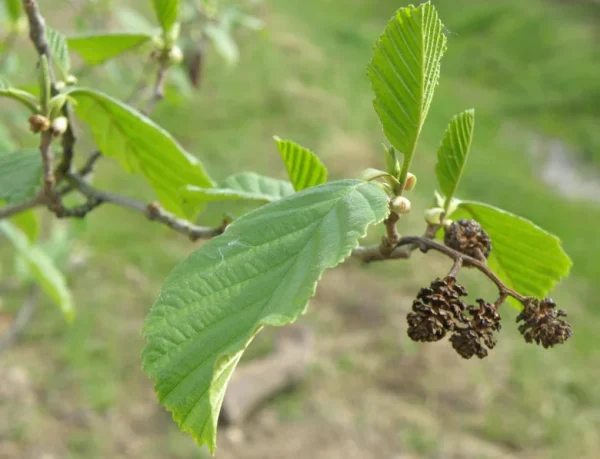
column 37, row 27
column 158, row 93
column 408, row 244
column 151, row 211
column 37, row 34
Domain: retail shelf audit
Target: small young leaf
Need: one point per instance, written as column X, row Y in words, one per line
column 527, row 258
column 20, row 175
column 14, row 9
column 97, row 48
column 223, row 42
column 304, row 168
column 29, row 100
column 59, row 52
column 261, row 271
column 453, row 153
column 404, row 72
column 167, row 12
column 140, row 145
column 42, row 268
column 244, row 186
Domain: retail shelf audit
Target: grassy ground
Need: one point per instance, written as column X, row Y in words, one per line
column 526, row 67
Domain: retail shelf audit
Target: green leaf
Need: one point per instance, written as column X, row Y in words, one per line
column 97, row 48
column 43, row 269
column 304, row 168
column 223, row 43
column 261, row 271
column 167, row 12
column 59, row 51
column 29, row 223
column 14, row 9
column 453, row 153
column 6, row 141
column 20, row 175
column 24, row 97
column 244, row 186
column 527, row 258
column 142, row 146
column 404, row 72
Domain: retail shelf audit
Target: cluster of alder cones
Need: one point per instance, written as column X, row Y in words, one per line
column 439, row 309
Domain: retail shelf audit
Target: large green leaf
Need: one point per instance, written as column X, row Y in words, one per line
column 304, row 168
column 261, row 271
column 404, row 72
column 453, row 153
column 42, row 268
column 526, row 257
column 59, row 51
column 167, row 12
column 244, row 186
column 6, row 141
column 141, row 145
column 97, row 48
column 20, row 175
column 6, row 90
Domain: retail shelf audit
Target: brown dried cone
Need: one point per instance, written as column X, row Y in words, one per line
column 468, row 237
column 544, row 323
column 436, row 310
column 479, row 330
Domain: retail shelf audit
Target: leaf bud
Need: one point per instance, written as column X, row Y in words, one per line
column 38, row 123
column 433, row 216
column 400, row 205
column 411, row 182
column 59, row 126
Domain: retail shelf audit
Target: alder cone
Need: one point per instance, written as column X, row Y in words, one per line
column 468, row 237
column 478, row 333
column 436, row 310
column 543, row 323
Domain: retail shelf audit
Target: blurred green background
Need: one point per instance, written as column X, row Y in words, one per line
column 529, row 68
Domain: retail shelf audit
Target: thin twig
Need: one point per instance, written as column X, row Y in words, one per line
column 37, row 34
column 391, row 238
column 40, row 200
column 456, row 267
column 14, row 209
column 23, row 317
column 47, row 162
column 151, row 211
column 158, row 92
column 37, row 27
column 406, row 246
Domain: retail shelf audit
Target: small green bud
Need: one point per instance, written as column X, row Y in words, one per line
column 400, row 205
column 433, row 216
column 71, row 80
column 38, row 123
column 59, row 126
column 411, row 182
column 60, row 85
